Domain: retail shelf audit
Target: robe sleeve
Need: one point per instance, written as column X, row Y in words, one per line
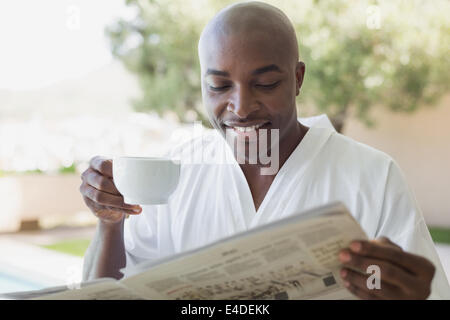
column 141, row 236
column 403, row 223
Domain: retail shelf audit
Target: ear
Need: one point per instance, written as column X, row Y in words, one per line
column 299, row 75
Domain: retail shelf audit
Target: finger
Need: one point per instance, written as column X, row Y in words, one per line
column 99, row 207
column 360, row 293
column 99, row 182
column 108, row 214
column 102, row 165
column 106, row 199
column 409, row 262
column 390, row 273
column 386, row 290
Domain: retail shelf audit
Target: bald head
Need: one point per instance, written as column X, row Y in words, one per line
column 246, row 22
column 250, row 72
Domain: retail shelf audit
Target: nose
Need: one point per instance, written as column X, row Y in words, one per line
column 242, row 103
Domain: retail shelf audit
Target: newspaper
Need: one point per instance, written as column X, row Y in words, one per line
column 25, row 295
column 292, row 258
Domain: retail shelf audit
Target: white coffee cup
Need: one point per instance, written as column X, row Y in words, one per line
column 143, row 180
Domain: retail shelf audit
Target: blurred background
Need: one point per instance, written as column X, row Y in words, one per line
column 81, row 78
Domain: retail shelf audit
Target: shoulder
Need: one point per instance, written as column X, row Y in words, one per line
column 356, row 167
column 345, row 150
column 372, row 185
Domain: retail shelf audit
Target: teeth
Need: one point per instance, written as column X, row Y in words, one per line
column 248, row 129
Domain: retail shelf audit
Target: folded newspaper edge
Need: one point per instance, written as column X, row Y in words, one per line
column 327, row 209
column 194, row 274
column 24, row 295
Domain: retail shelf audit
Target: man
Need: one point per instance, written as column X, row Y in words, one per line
column 251, row 75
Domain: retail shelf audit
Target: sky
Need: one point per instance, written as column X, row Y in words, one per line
column 46, row 41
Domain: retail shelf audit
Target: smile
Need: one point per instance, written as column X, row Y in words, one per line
column 248, row 129
column 243, row 128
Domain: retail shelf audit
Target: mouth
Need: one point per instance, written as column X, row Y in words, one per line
column 245, row 128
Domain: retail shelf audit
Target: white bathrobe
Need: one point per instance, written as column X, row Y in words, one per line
column 213, row 201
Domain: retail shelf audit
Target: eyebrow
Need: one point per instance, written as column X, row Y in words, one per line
column 217, row 73
column 269, row 68
column 272, row 67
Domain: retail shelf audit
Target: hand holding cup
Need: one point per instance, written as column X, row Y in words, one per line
column 100, row 193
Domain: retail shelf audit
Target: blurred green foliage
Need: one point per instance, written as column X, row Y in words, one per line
column 70, row 169
column 358, row 54
column 35, row 171
column 440, row 235
column 75, row 247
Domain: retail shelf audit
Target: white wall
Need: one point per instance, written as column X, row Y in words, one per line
column 420, row 143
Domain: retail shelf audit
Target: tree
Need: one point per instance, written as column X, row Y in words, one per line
column 362, row 55
column 358, row 54
column 159, row 45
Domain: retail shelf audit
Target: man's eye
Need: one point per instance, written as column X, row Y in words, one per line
column 268, row 86
column 219, row 88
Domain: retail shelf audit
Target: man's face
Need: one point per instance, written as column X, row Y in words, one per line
column 250, row 82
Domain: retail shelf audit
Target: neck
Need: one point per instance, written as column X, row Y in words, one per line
column 287, row 145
